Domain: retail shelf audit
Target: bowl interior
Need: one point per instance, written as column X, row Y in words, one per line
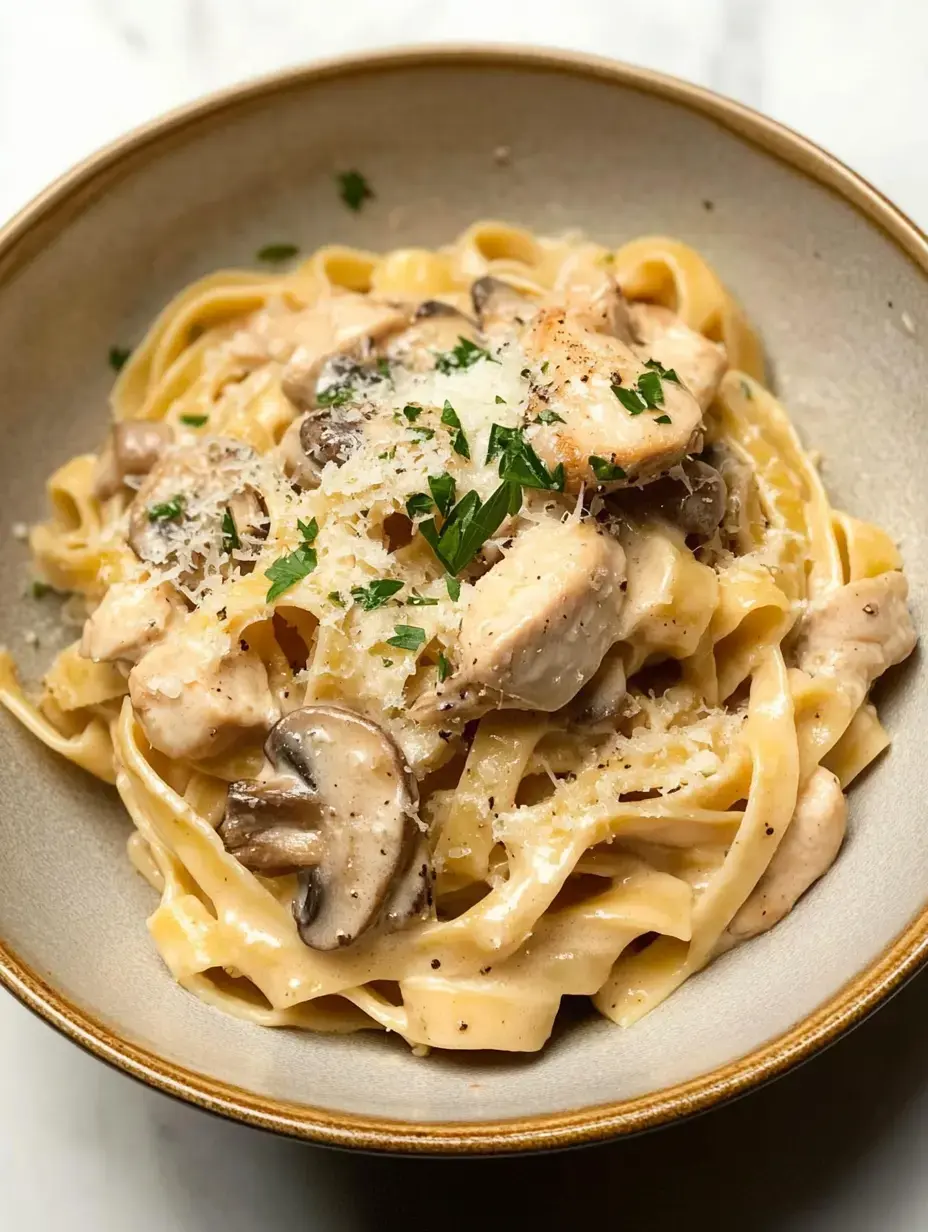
column 826, row 287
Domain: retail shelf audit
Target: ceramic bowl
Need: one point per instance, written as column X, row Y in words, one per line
column 833, row 276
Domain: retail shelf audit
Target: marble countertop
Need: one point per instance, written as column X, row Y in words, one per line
column 837, row 1145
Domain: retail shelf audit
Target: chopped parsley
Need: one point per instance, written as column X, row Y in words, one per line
column 442, row 488
column 663, row 419
column 469, row 524
column 387, row 662
column 334, row 597
column 464, row 355
column 40, row 589
column 444, row 667
column 746, row 389
column 118, row 357
column 649, row 387
column 605, row 469
column 353, row 189
column 548, row 417
column 449, row 417
column 630, row 399
column 376, row 594
column 335, row 395
column 412, row 413
column 383, row 367
column 287, row 570
column 418, row 504
column 277, row 252
column 230, row 539
column 422, row 434
column 168, row 511
column 526, row 372
column 417, row 600
column 544, row 368
column 519, row 463
column 407, row 637
column 454, row 587
column 194, row 421
column 388, row 454
column 666, row 374
column 500, row 401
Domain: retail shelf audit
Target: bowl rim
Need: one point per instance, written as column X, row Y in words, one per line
column 76, row 189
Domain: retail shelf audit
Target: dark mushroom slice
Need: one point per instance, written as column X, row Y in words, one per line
column 601, row 698
column 133, row 448
column 337, row 805
column 182, row 510
column 330, row 434
column 692, row 495
column 499, row 306
column 743, row 520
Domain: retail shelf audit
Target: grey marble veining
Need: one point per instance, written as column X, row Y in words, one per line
column 838, row 1145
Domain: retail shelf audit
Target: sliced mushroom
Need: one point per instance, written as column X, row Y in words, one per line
column 743, row 521
column 331, row 434
column 337, row 804
column 133, row 448
column 601, row 698
column 436, row 328
column 693, row 496
column 499, row 306
column 182, row 510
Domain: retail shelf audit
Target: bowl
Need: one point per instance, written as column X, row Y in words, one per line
column 834, row 278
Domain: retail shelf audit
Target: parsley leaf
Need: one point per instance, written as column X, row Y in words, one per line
column 449, row 416
column 167, row 511
column 353, row 189
column 605, row 470
column 417, row 600
column 444, row 667
column 408, row 637
column 649, row 387
column 469, row 524
column 442, row 488
column 630, row 399
column 335, row 395
column 519, row 463
column 746, row 390
column 383, row 367
column 309, row 530
column 663, row 419
column 418, row 504
column 230, row 539
column 464, row 355
column 118, row 357
column 454, row 587
column 287, row 570
column 549, row 417
column 194, row 421
column 500, row 401
column 412, row 413
column 277, row 252
column 422, row 434
column 666, row 374
column 376, row 594
column 544, row 368
column 334, row 597
column 40, row 589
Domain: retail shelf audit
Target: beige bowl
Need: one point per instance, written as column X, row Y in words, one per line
column 830, row 272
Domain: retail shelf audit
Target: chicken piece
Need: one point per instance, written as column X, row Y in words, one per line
column 538, row 624
column 341, row 325
column 807, row 850
column 859, row 631
column 500, row 308
column 132, row 449
column 436, row 329
column 661, row 335
column 130, row 619
column 584, row 369
column 195, row 699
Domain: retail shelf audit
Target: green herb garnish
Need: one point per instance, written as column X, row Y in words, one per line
column 464, row 355
column 666, row 374
column 469, row 524
column 412, row 413
column 544, row 368
column 309, row 530
column 194, row 421
column 649, row 387
column 417, row 600
column 383, row 367
column 407, row 637
column 630, row 399
column 746, row 389
column 40, row 589
column 663, row 419
column 118, row 357
column 442, row 488
column 387, row 662
column 444, row 667
column 449, row 417
column 353, row 189
column 230, row 539
column 519, row 463
column 287, row 570
column 277, row 252
column 168, row 511
column 422, row 434
column 605, row 469
column 500, row 401
column 335, row 395
column 334, row 597
column 376, row 594
column 454, row 587
column 418, row 504
column 548, row 417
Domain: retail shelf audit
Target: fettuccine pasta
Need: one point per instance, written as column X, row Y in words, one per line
column 465, row 629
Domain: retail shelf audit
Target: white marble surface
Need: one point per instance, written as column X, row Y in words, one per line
column 838, row 1145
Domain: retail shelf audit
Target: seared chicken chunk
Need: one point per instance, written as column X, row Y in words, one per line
column 807, row 851
column 859, row 631
column 129, row 620
column 437, row 327
column 588, row 373
column 195, row 699
column 538, row 624
column 661, row 335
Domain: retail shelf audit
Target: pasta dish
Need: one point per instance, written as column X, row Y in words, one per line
column 463, row 630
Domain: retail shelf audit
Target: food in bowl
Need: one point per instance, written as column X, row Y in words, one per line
column 465, row 629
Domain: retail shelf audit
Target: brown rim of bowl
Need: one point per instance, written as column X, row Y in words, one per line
column 76, row 190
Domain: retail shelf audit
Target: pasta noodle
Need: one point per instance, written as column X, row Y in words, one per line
column 466, row 629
